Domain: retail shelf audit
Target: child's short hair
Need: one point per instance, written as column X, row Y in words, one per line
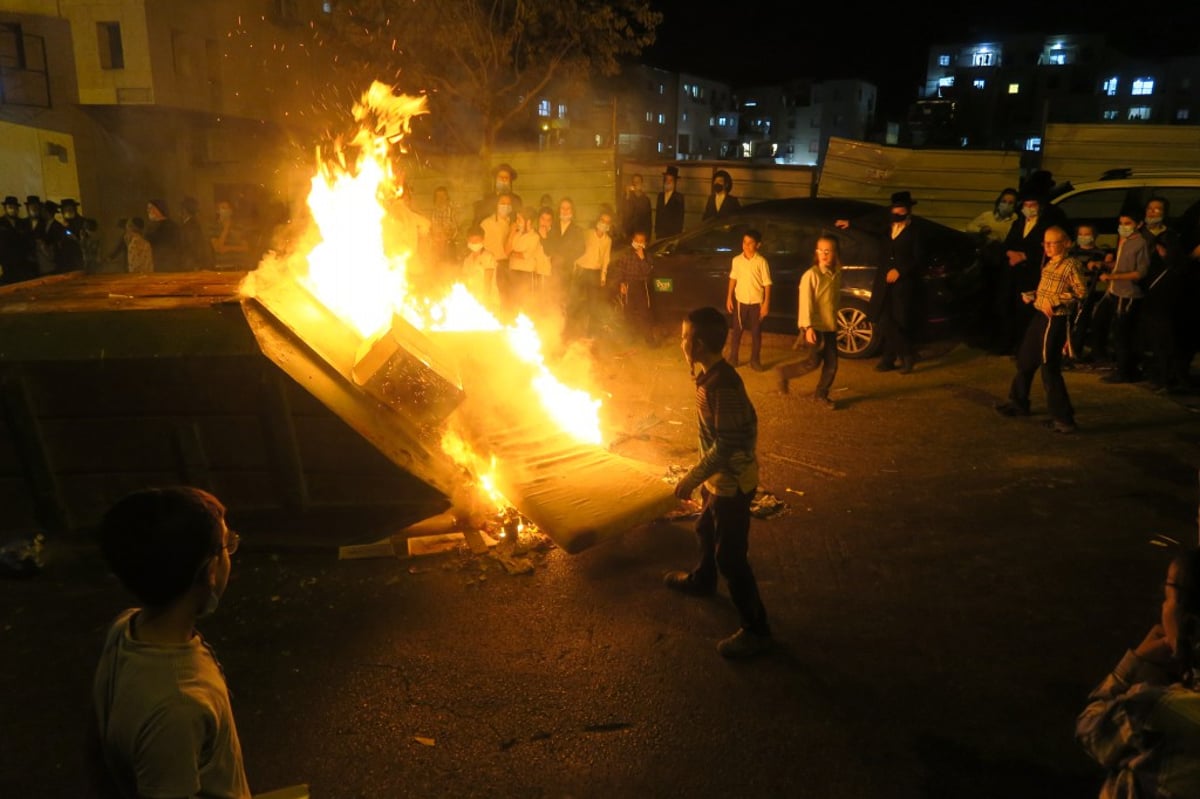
column 475, row 232
column 156, row 540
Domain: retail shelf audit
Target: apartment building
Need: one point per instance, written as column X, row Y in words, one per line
column 1000, row 93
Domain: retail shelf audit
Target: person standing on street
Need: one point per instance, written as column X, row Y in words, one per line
column 727, row 476
column 1061, row 286
column 721, row 202
column 668, row 206
column 749, row 298
column 820, row 288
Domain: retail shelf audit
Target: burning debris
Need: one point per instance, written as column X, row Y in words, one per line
column 439, row 385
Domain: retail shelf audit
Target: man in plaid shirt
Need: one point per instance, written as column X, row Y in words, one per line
column 1060, row 287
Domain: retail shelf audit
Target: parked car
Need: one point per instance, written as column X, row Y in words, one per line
column 1118, row 191
column 692, row 268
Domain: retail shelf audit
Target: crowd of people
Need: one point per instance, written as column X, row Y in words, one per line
column 42, row 237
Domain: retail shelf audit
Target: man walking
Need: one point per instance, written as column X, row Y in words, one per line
column 727, row 475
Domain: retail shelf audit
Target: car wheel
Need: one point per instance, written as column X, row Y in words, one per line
column 856, row 333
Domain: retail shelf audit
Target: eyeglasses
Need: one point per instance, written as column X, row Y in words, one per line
column 232, row 542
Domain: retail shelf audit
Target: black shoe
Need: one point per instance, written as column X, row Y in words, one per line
column 906, row 367
column 885, row 366
column 682, row 582
column 1065, row 428
column 825, row 402
column 1011, row 409
column 781, row 383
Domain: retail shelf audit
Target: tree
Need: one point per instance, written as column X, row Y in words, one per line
column 483, row 62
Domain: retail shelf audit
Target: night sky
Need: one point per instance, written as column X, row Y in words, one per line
column 766, row 41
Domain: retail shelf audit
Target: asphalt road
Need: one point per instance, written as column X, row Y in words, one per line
column 945, row 585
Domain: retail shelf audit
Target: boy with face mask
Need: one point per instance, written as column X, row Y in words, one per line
column 1120, row 307
column 163, row 720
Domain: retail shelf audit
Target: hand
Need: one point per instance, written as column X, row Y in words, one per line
column 1015, row 257
column 892, row 275
column 763, row 310
column 810, row 336
column 684, row 489
column 1154, row 647
column 729, row 305
column 843, row 224
column 1105, row 277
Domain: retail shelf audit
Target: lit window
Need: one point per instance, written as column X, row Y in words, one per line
column 562, row 110
column 1142, row 86
column 685, row 116
column 982, row 58
column 1014, row 88
column 1033, row 143
column 112, row 52
column 978, row 83
column 662, row 89
column 660, row 147
column 543, row 108
column 944, row 60
column 687, row 88
column 1110, row 113
column 712, row 122
column 1139, row 113
column 1182, row 114
column 327, row 7
column 1110, row 87
column 662, row 119
column 1056, row 58
column 649, row 116
column 948, row 80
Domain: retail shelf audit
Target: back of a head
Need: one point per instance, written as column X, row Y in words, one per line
column 710, row 327
column 156, row 540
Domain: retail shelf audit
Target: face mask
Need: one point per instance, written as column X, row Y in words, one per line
column 224, row 214
column 1085, row 241
column 504, row 210
column 898, row 217
column 1004, row 210
column 475, row 246
column 1029, row 213
column 1125, row 231
column 1154, row 221
column 718, row 188
column 566, row 218
column 603, row 228
column 637, row 245
column 68, row 214
column 502, row 186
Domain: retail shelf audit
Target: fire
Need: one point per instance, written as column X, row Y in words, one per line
column 358, row 276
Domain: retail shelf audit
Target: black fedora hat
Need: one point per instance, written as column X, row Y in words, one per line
column 673, row 171
column 902, row 198
column 11, row 200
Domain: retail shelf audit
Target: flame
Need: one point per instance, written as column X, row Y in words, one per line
column 355, row 272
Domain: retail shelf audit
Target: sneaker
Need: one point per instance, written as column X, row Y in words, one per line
column 682, row 582
column 825, row 402
column 1011, row 409
column 745, row 644
column 1065, row 428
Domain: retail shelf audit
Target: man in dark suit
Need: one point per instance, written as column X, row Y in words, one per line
column 668, row 209
column 1024, row 252
column 721, row 202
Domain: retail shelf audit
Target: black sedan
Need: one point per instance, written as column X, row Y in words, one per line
column 692, row 268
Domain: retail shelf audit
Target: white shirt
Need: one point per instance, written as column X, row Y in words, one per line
column 751, row 276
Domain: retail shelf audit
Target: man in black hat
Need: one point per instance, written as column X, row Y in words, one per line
column 897, row 281
column 165, row 239
column 15, row 244
column 721, row 202
column 669, row 207
column 1024, row 252
column 50, row 241
column 80, row 248
column 503, row 177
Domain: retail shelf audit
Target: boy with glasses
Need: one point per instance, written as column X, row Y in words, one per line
column 1060, row 287
column 163, row 721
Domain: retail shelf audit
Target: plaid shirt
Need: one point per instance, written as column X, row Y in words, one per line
column 728, row 433
column 1061, row 285
column 1145, row 730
